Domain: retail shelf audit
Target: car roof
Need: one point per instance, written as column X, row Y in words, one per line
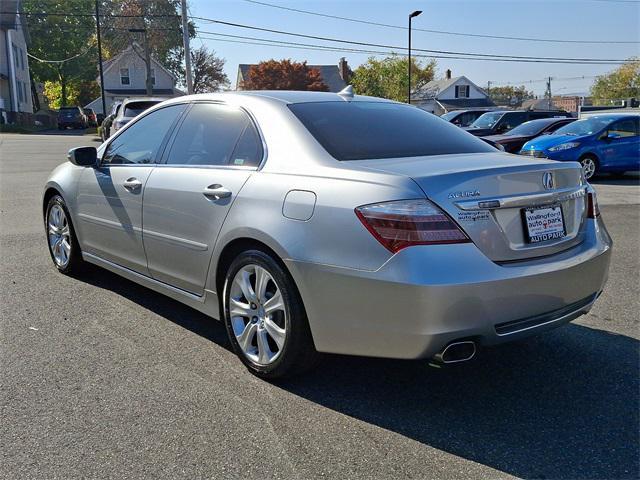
column 612, row 116
column 279, row 97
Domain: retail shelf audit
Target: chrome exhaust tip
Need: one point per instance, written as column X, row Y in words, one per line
column 457, row 352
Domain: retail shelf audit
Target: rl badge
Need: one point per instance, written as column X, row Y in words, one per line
column 544, row 223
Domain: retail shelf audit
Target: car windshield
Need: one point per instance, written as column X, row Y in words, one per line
column 533, row 127
column 486, row 120
column 587, row 126
column 449, row 115
column 134, row 109
column 373, row 130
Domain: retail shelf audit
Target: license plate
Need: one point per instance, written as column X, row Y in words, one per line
column 543, row 223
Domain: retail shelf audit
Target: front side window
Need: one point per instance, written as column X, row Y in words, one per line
column 140, row 142
column 124, row 76
column 624, row 128
column 372, row 130
column 216, row 135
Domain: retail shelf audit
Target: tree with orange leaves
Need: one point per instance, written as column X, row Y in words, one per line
column 284, row 75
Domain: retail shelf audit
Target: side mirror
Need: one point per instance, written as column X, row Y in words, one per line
column 83, row 156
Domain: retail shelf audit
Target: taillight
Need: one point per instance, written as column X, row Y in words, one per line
column 593, row 210
column 403, row 223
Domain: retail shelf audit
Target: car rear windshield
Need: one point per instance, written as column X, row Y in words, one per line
column 372, row 130
column 134, row 109
column 532, row 127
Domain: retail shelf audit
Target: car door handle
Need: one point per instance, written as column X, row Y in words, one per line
column 216, row 191
column 132, row 183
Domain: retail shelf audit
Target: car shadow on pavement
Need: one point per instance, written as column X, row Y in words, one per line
column 562, row 405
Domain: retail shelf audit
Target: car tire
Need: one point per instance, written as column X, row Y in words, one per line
column 271, row 337
column 62, row 242
column 590, row 166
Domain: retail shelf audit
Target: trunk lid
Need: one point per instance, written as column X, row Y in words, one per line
column 487, row 195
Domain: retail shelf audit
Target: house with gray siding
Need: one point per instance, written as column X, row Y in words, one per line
column 450, row 93
column 16, row 104
column 125, row 77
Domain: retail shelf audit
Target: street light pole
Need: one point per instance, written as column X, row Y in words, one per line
column 414, row 14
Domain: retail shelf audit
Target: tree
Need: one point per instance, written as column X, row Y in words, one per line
column 55, row 38
column 389, row 77
column 622, row 83
column 163, row 25
column 284, row 75
column 208, row 74
column 510, row 95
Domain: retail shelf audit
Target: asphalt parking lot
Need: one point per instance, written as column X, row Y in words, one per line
column 101, row 378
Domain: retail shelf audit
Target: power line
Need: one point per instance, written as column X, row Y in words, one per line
column 60, row 61
column 440, row 32
column 444, row 52
column 306, row 46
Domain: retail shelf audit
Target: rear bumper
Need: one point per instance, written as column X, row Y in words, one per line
column 424, row 298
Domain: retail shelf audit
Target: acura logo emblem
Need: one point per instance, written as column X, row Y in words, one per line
column 547, row 180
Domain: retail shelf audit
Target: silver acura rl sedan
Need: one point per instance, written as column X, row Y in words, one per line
column 319, row 222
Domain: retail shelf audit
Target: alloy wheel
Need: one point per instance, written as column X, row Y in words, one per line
column 59, row 236
column 258, row 314
column 588, row 167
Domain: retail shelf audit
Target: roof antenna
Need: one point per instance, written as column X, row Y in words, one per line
column 346, row 92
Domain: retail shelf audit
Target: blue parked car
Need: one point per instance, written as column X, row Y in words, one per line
column 602, row 143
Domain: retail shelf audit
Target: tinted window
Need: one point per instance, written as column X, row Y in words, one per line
column 449, row 115
column 511, row 120
column 625, row 128
column 134, row 109
column 368, row 130
column 214, row 134
column 140, row 142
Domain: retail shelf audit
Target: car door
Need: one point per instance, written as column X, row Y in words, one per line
column 620, row 152
column 110, row 196
column 212, row 154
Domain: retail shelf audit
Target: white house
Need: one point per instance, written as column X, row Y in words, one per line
column 125, row 77
column 457, row 93
column 16, row 104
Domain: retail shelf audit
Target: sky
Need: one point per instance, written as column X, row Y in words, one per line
column 589, row 20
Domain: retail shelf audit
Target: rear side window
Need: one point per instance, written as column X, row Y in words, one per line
column 140, row 142
column 134, row 109
column 214, row 134
column 370, row 130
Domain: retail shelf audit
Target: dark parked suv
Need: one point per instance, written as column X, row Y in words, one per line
column 72, row 117
column 495, row 123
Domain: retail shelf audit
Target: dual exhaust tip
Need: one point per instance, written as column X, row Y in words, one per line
column 456, row 352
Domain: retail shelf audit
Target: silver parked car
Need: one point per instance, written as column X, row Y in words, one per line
column 319, row 222
column 130, row 109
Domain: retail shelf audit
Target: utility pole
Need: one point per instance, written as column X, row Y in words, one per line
column 549, row 92
column 489, row 89
column 147, row 59
column 104, row 104
column 187, row 51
